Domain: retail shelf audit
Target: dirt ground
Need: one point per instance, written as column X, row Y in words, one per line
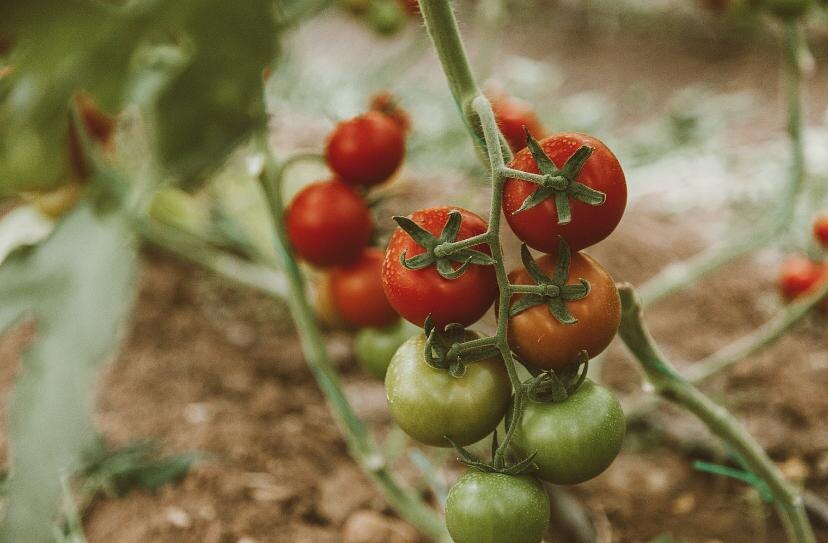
column 212, row 367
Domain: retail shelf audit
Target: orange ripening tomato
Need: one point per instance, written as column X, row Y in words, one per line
column 542, row 341
column 357, row 293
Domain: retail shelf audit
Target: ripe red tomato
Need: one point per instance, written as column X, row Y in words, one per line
column 357, row 294
column 538, row 226
column 821, row 230
column 513, row 116
column 800, row 276
column 540, row 340
column 417, row 293
column 366, row 150
column 328, row 224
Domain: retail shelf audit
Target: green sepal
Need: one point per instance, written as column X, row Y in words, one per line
column 560, row 183
column 555, row 298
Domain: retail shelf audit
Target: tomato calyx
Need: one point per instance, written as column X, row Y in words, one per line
column 443, row 251
column 453, row 348
column 550, row 387
column 554, row 291
column 560, row 183
column 517, row 468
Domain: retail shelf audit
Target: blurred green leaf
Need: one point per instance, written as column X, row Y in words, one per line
column 200, row 62
column 78, row 285
column 137, row 465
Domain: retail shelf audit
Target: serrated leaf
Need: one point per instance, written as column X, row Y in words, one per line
column 78, row 285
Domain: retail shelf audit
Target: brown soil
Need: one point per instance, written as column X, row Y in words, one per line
column 216, row 368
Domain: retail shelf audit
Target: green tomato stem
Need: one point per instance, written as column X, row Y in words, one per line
column 445, row 36
column 672, row 387
column 359, row 441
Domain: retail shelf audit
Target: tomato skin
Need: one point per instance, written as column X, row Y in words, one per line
column 357, row 294
column 428, row 403
column 366, row 150
column 800, row 276
column 328, row 224
column 323, row 306
column 417, row 293
column 544, row 342
column 821, row 231
column 512, row 116
column 576, row 439
column 374, row 347
column 538, row 227
column 497, row 508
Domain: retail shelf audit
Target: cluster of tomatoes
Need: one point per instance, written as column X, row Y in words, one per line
column 330, row 226
column 568, row 311
column 801, row 275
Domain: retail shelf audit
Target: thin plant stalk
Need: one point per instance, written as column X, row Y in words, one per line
column 672, row 387
column 410, row 506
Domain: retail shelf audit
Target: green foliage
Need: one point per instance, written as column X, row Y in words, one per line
column 198, row 62
column 78, row 285
column 137, row 466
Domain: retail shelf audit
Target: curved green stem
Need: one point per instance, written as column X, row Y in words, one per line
column 671, row 386
column 360, row 443
column 445, row 36
column 677, row 276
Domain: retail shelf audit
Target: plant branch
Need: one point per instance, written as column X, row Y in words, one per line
column 671, row 386
column 364, row 451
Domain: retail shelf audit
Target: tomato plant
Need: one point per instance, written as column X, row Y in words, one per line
column 497, row 508
column 430, row 404
column 549, row 331
column 366, row 150
column 582, row 201
column 374, row 347
column 575, row 439
column 429, row 286
column 357, row 294
column 329, row 224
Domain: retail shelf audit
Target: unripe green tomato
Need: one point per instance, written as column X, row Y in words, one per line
column 386, row 17
column 787, row 9
column 374, row 347
column 575, row 439
column 497, row 508
column 429, row 403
